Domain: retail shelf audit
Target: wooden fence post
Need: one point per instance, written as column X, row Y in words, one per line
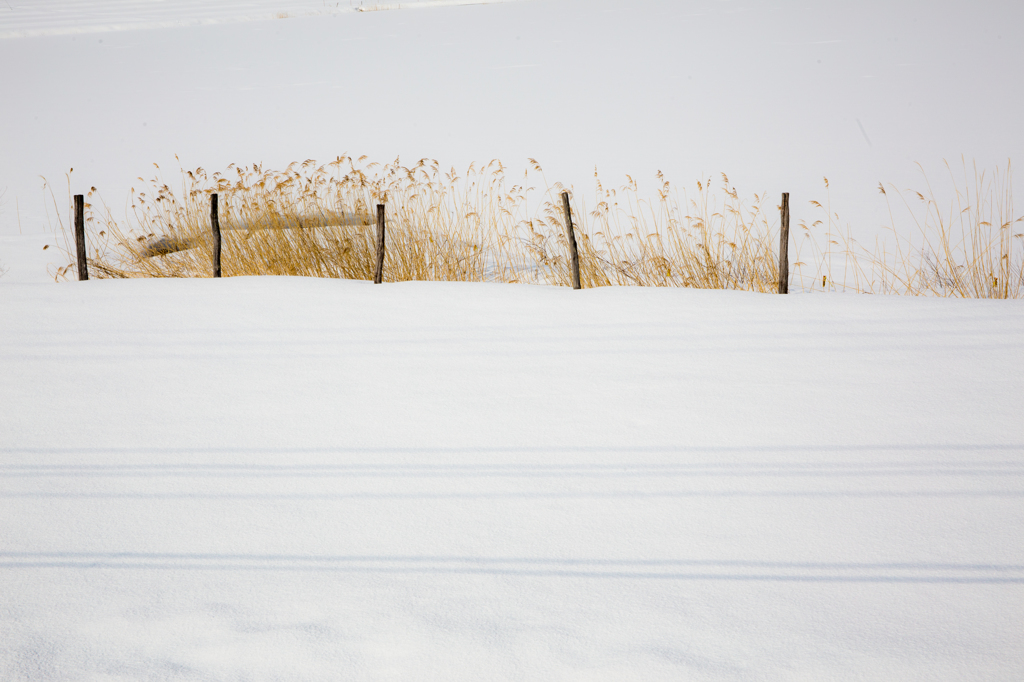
column 784, row 246
column 573, row 253
column 83, row 267
column 215, row 222
column 378, row 270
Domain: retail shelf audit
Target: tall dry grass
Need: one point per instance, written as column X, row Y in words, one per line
column 957, row 242
column 483, row 225
column 316, row 220
column 965, row 247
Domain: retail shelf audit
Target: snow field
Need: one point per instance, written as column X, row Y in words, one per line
column 292, row 478
column 23, row 19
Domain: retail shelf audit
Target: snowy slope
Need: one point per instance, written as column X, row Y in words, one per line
column 267, row 478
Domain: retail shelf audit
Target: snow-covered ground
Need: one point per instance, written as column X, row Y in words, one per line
column 285, row 478
column 66, row 17
column 273, row 478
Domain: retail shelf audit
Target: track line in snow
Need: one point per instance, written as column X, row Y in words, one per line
column 506, row 481
column 486, row 496
column 309, row 483
column 794, row 469
column 1017, row 448
column 666, row 569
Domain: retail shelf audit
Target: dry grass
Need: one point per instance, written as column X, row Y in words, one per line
column 964, row 246
column 316, row 220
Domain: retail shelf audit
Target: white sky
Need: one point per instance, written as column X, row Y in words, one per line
column 777, row 95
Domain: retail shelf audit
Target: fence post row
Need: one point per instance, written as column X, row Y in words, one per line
column 83, row 267
column 573, row 253
column 378, row 270
column 215, row 223
column 378, row 273
column 784, row 246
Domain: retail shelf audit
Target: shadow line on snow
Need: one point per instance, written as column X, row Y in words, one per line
column 621, row 495
column 495, row 450
column 840, row 468
column 705, row 570
column 483, row 560
column 639, row 495
column 632, row 470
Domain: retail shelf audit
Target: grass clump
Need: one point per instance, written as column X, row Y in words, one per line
column 484, row 226
column 317, row 220
column 966, row 248
column 962, row 246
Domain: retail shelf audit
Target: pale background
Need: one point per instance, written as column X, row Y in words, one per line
column 776, row 94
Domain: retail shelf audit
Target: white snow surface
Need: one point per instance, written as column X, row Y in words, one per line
column 289, row 478
column 24, row 19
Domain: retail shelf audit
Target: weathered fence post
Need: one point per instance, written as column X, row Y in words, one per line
column 378, row 270
column 83, row 267
column 573, row 253
column 784, row 246
column 215, row 222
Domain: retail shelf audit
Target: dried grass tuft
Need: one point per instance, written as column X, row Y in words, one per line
column 481, row 226
column 963, row 246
